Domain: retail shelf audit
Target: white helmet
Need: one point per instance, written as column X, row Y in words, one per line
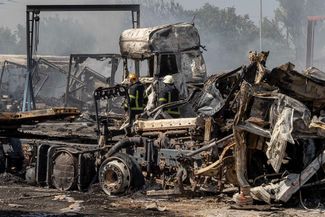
column 168, row 79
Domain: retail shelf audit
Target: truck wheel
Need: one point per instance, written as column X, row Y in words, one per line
column 119, row 174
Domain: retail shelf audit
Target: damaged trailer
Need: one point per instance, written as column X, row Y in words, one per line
column 45, row 148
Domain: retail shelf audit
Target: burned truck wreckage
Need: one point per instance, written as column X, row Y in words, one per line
column 257, row 130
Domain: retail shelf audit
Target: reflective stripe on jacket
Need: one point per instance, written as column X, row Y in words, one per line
column 137, row 96
column 167, row 94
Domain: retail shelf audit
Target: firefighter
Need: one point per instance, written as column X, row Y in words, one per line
column 137, row 96
column 169, row 93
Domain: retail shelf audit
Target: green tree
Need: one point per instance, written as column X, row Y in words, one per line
column 157, row 12
column 227, row 36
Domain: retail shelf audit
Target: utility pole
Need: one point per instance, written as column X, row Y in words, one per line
column 261, row 19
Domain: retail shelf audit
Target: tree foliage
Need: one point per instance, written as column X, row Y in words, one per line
column 225, row 34
column 156, row 12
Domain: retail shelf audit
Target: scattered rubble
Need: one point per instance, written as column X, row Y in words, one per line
column 155, row 207
column 75, row 205
column 8, row 178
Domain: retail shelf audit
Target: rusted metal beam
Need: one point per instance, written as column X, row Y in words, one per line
column 85, row 7
column 10, row 119
column 168, row 124
column 212, row 144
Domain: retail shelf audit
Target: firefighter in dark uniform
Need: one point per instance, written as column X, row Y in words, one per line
column 137, row 96
column 167, row 94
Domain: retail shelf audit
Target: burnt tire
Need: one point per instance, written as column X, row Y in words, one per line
column 120, row 174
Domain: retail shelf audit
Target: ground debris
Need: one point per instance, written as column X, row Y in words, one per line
column 74, row 207
column 8, row 178
column 13, row 205
column 155, row 207
column 254, row 207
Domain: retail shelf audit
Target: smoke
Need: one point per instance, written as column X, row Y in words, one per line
column 98, row 32
column 101, row 29
column 292, row 18
column 319, row 45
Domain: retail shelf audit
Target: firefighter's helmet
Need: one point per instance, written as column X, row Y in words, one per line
column 133, row 78
column 168, row 79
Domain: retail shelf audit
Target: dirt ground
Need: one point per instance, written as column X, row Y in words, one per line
column 20, row 199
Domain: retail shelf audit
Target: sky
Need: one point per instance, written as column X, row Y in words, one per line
column 12, row 12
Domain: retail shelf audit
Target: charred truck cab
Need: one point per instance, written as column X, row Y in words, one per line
column 164, row 50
